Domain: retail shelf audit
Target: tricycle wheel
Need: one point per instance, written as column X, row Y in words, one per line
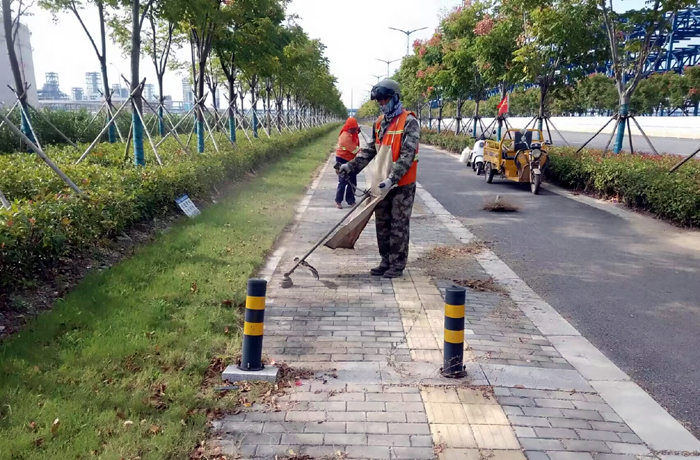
column 535, row 181
column 479, row 168
column 488, row 173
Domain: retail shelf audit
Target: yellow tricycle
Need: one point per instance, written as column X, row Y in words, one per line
column 520, row 156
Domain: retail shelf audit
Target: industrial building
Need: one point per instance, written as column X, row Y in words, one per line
column 77, row 94
column 51, row 90
column 187, row 94
column 23, row 48
column 93, row 86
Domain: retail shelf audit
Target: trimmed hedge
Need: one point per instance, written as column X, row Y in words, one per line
column 76, row 126
column 47, row 221
column 639, row 180
column 446, row 140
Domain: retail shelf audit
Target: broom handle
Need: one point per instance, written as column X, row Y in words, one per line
column 365, row 196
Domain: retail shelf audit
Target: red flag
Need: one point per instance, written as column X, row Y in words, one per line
column 503, row 105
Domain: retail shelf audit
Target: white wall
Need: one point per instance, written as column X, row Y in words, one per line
column 678, row 127
column 23, row 48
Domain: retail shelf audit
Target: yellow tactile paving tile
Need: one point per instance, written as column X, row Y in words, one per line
column 417, row 332
column 428, row 356
column 479, row 454
column 445, row 413
column 427, row 343
column 485, row 414
column 440, row 395
column 495, row 437
column 475, row 396
column 452, row 435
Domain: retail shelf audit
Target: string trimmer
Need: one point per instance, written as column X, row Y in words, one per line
column 286, row 279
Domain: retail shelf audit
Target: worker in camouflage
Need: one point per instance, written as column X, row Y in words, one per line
column 396, row 134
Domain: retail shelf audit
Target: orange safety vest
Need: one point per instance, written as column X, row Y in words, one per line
column 394, row 137
column 346, row 149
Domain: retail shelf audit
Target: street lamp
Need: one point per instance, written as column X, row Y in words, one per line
column 408, row 35
column 119, row 81
column 387, row 65
column 378, row 77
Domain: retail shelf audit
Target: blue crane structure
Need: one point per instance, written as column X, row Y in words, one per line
column 680, row 45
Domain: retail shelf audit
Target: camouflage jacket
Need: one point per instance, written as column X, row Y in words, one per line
column 409, row 147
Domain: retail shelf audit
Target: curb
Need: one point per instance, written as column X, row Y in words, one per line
column 648, row 419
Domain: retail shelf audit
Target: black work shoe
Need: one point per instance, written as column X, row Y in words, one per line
column 379, row 271
column 393, row 273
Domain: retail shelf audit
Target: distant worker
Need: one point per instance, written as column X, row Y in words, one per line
column 394, row 149
column 348, row 146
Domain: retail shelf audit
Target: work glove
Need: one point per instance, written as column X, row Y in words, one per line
column 386, row 184
column 345, row 170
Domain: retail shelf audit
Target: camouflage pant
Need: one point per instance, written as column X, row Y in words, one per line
column 393, row 218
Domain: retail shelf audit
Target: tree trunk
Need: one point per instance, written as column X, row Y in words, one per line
column 161, row 99
column 289, row 108
column 459, row 115
column 439, row 118
column 279, row 108
column 231, row 110
column 139, row 156
column 269, row 111
column 476, row 117
column 215, row 105
column 14, row 66
column 624, row 110
column 241, row 96
column 111, row 131
column 202, row 68
column 266, row 109
column 540, row 113
column 254, row 84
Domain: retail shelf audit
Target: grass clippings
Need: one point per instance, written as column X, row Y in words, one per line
column 499, row 204
column 480, row 285
column 116, row 369
column 293, row 455
column 507, row 312
column 453, row 252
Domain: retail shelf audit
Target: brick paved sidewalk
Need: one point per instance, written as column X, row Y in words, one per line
column 536, row 389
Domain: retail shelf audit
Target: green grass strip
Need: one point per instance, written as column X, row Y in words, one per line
column 120, row 361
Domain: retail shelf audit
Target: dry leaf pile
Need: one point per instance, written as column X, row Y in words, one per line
column 480, row 285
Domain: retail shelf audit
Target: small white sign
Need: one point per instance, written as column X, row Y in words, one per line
column 187, row 206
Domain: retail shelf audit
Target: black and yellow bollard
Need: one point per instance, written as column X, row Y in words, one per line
column 251, row 356
column 453, row 365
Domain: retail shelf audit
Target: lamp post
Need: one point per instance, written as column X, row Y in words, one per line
column 408, row 35
column 388, row 63
column 119, row 81
column 378, row 77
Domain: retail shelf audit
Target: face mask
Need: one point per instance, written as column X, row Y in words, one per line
column 388, row 108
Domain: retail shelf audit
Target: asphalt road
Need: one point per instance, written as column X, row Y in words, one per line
column 629, row 284
column 669, row 145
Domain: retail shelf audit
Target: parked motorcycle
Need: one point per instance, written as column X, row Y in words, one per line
column 476, row 159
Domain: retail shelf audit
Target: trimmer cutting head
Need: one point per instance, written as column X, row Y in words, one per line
column 286, row 282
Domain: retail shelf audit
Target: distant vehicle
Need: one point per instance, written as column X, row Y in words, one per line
column 520, row 156
column 475, row 157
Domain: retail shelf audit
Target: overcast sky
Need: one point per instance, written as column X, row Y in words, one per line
column 356, row 34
